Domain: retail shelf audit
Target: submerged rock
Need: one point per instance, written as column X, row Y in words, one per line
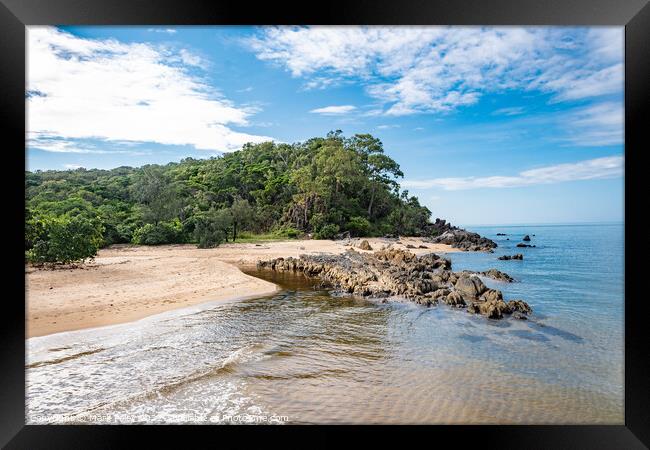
column 426, row 280
column 522, row 245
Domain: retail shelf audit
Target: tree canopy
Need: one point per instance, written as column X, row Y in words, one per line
column 323, row 186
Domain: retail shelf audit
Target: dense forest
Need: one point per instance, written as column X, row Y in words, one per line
column 322, row 187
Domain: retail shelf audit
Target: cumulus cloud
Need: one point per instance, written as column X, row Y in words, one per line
column 112, row 91
column 591, row 169
column 430, row 69
column 334, row 110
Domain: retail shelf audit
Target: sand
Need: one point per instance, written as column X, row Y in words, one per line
column 126, row 283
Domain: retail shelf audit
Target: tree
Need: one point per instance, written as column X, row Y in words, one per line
column 155, row 191
column 63, row 239
column 318, row 185
column 211, row 227
column 242, row 215
column 379, row 169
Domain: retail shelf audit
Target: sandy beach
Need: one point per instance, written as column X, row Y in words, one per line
column 126, row 283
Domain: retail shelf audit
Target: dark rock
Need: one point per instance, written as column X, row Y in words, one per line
column 492, row 295
column 526, row 238
column 501, row 234
column 518, row 256
column 492, row 309
column 444, row 233
column 497, row 275
column 425, row 280
column 519, row 306
column 470, row 286
column 410, row 246
column 455, row 299
column 522, row 245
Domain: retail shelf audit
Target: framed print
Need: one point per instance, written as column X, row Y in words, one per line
column 411, row 213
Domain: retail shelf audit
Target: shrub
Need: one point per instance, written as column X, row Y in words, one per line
column 211, row 227
column 288, row 232
column 160, row 233
column 328, row 231
column 317, row 221
column 63, row 239
column 358, row 226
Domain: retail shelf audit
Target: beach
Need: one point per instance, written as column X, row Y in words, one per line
column 126, row 283
column 304, row 353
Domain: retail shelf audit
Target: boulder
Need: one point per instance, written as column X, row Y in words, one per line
column 518, row 256
column 365, row 245
column 526, row 238
column 492, row 309
column 455, row 299
column 492, row 295
column 497, row 275
column 519, row 306
column 470, row 286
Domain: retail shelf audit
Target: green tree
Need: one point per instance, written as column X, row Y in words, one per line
column 242, row 215
column 63, row 239
column 154, row 189
column 211, row 227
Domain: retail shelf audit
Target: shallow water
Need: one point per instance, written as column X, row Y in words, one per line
column 304, row 355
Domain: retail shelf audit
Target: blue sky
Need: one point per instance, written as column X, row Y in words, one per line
column 490, row 125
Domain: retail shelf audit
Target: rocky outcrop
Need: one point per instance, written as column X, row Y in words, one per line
column 526, row 238
column 426, row 280
column 522, row 245
column 445, row 233
column 518, row 256
column 497, row 275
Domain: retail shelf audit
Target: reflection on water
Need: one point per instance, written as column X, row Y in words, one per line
column 309, row 356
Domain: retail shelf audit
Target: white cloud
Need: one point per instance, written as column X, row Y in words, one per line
column 509, row 111
column 596, row 125
column 112, row 91
column 72, row 166
column 386, row 127
column 433, row 69
column 599, row 168
column 161, row 30
column 334, row 110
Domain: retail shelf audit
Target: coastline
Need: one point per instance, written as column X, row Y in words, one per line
column 126, row 283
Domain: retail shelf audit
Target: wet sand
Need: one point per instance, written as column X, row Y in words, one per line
column 126, row 283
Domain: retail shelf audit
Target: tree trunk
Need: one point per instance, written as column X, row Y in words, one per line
column 372, row 199
column 234, row 231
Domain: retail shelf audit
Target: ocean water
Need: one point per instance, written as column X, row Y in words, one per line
column 304, row 355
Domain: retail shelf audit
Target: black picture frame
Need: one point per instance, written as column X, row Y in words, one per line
column 633, row 14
